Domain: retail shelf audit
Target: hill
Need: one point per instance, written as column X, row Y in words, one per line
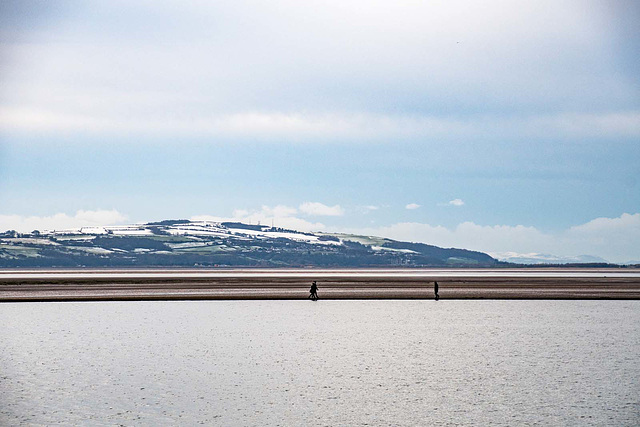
column 184, row 243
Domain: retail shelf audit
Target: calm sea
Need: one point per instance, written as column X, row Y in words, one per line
column 327, row 363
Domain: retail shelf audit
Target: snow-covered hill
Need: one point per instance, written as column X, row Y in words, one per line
column 191, row 243
column 189, row 228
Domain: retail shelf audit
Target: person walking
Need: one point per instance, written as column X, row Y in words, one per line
column 435, row 290
column 313, row 292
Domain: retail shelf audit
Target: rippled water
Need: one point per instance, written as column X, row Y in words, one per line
column 323, row 363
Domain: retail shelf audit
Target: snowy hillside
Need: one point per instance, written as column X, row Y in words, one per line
column 206, row 243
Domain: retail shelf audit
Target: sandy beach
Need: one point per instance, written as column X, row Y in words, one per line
column 119, row 285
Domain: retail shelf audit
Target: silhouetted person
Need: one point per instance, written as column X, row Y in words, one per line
column 313, row 292
column 435, row 290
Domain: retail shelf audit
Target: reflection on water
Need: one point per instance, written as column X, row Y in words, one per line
column 321, row 363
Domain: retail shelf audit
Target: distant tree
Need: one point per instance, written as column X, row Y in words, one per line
column 36, row 233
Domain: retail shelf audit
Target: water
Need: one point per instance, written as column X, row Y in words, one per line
column 314, row 273
column 324, row 363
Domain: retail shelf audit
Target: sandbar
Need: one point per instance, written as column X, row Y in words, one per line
column 81, row 285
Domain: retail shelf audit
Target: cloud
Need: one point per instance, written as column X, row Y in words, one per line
column 456, row 202
column 412, row 206
column 326, row 127
column 623, row 224
column 82, row 218
column 238, row 213
column 319, row 209
column 280, row 216
column 466, row 235
column 614, row 239
column 279, row 211
column 246, row 70
column 213, row 218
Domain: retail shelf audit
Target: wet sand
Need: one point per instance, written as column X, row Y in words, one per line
column 149, row 285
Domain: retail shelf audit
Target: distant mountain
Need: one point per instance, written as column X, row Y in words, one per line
column 184, row 243
column 536, row 258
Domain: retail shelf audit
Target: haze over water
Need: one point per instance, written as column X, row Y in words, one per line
column 325, row 363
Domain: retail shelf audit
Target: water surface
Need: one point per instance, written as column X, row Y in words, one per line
column 314, row 273
column 371, row 362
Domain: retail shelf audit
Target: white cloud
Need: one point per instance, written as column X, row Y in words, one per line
column 326, row 127
column 456, row 202
column 240, row 213
column 412, row 206
column 101, row 217
column 82, row 218
column 623, row 224
column 280, row 216
column 614, row 239
column 261, row 73
column 213, row 218
column 315, row 71
column 320, row 209
column 278, row 211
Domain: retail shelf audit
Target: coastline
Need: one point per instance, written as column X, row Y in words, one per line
column 119, row 285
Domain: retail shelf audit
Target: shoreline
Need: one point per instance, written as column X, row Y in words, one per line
column 80, row 285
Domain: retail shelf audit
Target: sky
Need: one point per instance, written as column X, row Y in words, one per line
column 499, row 126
